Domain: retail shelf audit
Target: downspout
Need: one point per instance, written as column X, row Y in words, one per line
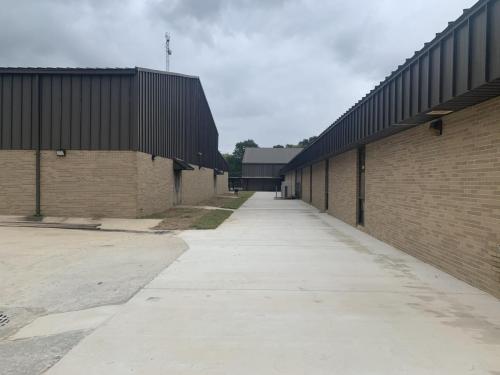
column 38, row 211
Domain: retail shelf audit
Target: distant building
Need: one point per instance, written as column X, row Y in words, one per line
column 261, row 169
column 105, row 142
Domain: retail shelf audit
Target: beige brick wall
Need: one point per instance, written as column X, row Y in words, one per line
column 17, row 182
column 343, row 186
column 197, row 185
column 86, row 183
column 222, row 183
column 89, row 183
column 155, row 184
column 318, row 185
column 438, row 198
column 99, row 184
column 306, row 192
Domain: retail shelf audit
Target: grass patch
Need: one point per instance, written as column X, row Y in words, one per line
column 212, row 219
column 229, row 201
column 182, row 218
column 178, row 218
column 191, row 218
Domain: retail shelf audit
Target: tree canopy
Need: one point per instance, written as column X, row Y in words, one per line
column 235, row 159
column 303, row 143
column 307, row 141
column 239, row 149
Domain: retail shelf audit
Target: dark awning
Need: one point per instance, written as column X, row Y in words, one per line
column 181, row 165
column 458, row 69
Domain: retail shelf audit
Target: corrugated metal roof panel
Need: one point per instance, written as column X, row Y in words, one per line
column 160, row 113
column 67, row 70
column 87, row 70
column 254, row 155
column 459, row 68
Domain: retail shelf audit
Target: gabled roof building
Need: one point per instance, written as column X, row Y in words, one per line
column 261, row 167
column 105, row 142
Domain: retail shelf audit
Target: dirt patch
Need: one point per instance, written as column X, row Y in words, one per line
column 229, row 201
column 191, row 218
column 178, row 218
column 182, row 218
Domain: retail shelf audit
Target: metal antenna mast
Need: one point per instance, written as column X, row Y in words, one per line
column 168, row 51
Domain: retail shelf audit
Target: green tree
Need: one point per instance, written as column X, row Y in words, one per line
column 235, row 159
column 303, row 143
column 278, row 146
column 239, row 149
column 307, row 141
column 234, row 165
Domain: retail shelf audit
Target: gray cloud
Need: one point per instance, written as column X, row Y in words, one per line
column 275, row 71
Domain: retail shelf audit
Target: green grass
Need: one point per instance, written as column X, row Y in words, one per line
column 235, row 203
column 179, row 218
column 211, row 220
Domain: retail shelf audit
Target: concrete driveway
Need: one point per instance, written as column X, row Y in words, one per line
column 56, row 286
column 282, row 289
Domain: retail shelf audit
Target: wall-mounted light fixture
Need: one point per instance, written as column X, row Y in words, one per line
column 61, row 153
column 441, row 112
column 437, row 127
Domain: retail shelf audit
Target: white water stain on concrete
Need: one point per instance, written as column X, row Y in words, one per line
column 54, row 324
column 58, row 285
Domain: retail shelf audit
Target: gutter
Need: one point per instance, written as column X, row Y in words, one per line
column 38, row 211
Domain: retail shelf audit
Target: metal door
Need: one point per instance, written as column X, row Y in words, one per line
column 298, row 185
column 361, row 186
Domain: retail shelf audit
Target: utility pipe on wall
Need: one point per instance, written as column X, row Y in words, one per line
column 38, row 211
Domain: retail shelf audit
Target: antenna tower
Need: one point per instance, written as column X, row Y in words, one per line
column 168, row 52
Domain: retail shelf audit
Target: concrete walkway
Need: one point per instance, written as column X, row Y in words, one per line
column 282, row 289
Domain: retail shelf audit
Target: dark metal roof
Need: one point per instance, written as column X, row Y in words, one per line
column 222, row 163
column 159, row 113
column 254, row 155
column 93, row 71
column 67, row 70
column 261, row 170
column 174, row 118
column 166, row 73
column 459, row 68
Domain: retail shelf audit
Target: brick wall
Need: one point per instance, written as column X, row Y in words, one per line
column 197, row 185
column 155, row 184
column 343, row 186
column 17, row 182
column 306, row 192
column 222, row 183
column 318, row 185
column 438, row 197
column 89, row 184
column 97, row 184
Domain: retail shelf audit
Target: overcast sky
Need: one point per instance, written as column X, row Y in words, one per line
column 275, row 71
